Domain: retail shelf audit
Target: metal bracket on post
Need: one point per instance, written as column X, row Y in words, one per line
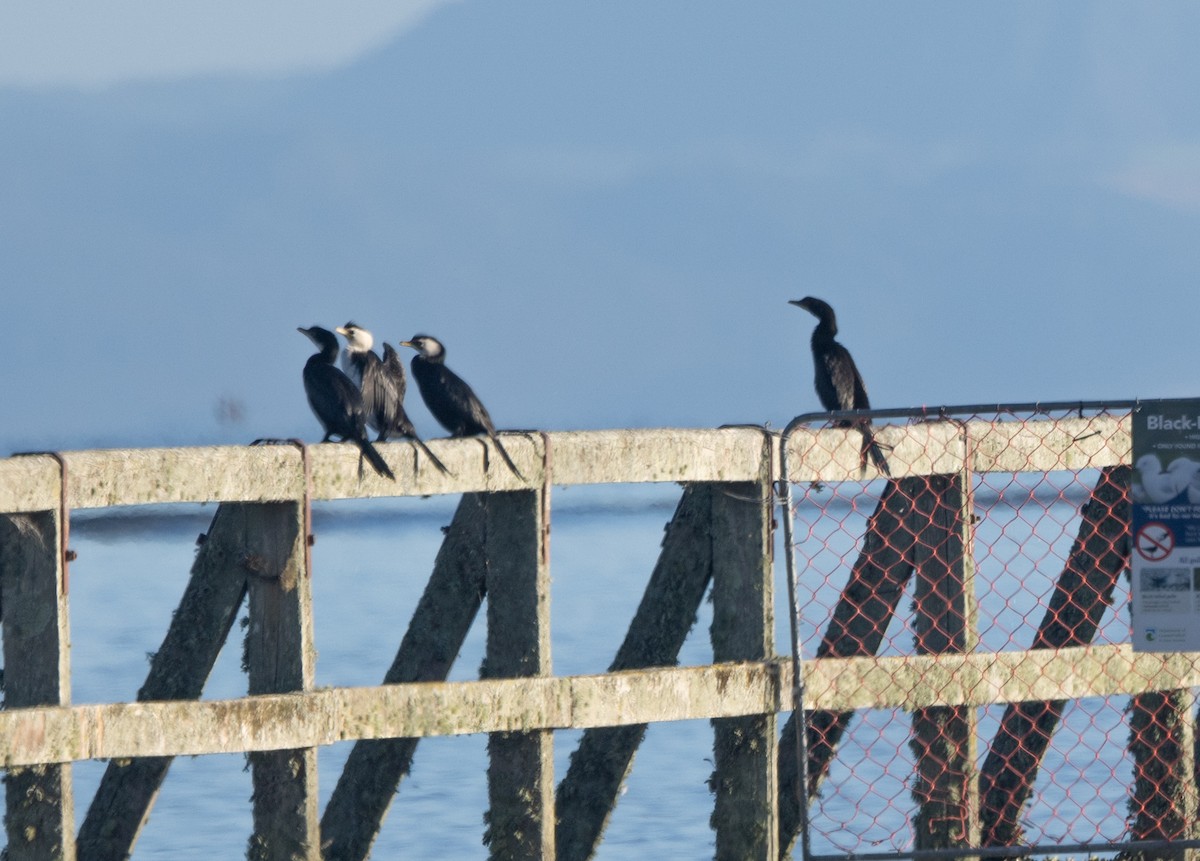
column 64, row 513
column 309, row 538
column 547, row 481
column 771, row 491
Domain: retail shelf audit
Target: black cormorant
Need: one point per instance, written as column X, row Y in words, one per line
column 382, row 384
column 335, row 400
column 839, row 385
column 448, row 397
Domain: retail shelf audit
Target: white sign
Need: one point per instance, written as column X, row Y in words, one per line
column 1165, row 512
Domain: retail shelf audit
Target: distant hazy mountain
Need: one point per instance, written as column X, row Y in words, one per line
column 602, row 210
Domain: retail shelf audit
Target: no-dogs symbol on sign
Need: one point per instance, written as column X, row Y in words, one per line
column 1155, row 541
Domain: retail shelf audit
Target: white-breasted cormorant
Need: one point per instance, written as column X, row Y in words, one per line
column 382, row 383
column 448, row 397
column 335, row 400
column 838, row 382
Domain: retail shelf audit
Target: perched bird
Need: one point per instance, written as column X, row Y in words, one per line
column 839, row 385
column 448, row 397
column 382, row 384
column 335, row 400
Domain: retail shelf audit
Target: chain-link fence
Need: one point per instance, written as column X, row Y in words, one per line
column 983, row 582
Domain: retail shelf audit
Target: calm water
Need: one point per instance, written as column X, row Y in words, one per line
column 370, row 564
column 371, row 561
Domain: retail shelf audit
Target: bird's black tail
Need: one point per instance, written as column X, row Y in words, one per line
column 507, row 459
column 872, row 448
column 405, row 430
column 436, row 460
column 374, row 458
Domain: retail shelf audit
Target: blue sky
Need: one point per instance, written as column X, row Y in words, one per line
column 601, row 209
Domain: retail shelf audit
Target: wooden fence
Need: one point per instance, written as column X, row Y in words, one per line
column 497, row 545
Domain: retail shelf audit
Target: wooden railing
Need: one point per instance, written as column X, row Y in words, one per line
column 497, row 545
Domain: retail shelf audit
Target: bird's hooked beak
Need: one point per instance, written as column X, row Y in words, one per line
column 343, row 331
column 808, row 304
column 427, row 346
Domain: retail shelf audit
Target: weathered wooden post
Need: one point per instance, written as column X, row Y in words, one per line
column 199, row 628
column 857, row 627
column 944, row 738
column 520, row 818
column 39, row 806
column 279, row 659
column 744, row 782
column 920, row 523
column 1084, row 591
column 588, row 794
column 435, row 636
column 1163, row 804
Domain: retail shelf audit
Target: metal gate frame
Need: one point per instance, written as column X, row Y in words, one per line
column 784, row 492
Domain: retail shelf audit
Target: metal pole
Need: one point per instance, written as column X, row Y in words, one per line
column 938, row 412
column 798, row 721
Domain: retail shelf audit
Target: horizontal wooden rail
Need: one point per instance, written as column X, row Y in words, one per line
column 181, row 728
column 944, row 447
column 270, row 473
column 115, row 477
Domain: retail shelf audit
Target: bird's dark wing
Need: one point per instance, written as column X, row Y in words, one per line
column 450, row 399
column 861, row 401
column 353, row 364
column 394, row 368
column 852, row 395
column 455, row 406
column 334, row 399
column 842, row 387
column 380, row 398
column 337, row 403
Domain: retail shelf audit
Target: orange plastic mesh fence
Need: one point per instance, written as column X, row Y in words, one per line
column 1023, row 546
